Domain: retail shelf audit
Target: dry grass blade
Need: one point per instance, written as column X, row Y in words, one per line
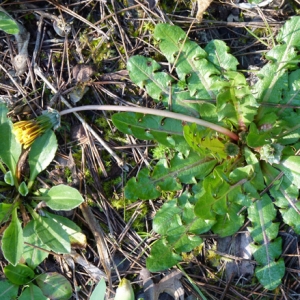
column 75, row 15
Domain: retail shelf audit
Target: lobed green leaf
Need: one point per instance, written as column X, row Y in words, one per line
column 161, row 257
column 263, row 254
column 229, row 223
column 218, row 54
column 167, row 176
column 261, row 214
column 143, row 72
column 273, row 77
column 147, row 127
column 190, row 59
column 270, row 275
column 291, row 168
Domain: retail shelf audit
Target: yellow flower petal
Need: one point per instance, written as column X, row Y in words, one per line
column 27, row 131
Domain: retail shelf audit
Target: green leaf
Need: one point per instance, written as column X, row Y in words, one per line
column 261, row 213
column 147, row 127
column 10, row 149
column 256, row 138
column 8, row 291
column 161, row 257
column 174, row 220
column 167, row 176
column 51, row 234
column 291, row 216
column 235, row 102
column 5, row 211
column 143, row 72
column 12, row 241
column 205, row 141
column 258, row 179
column 192, row 223
column 54, row 286
column 23, row 189
column 285, row 195
column 270, row 275
column 41, row 154
column 273, row 78
column 8, row 24
column 77, row 238
column 229, row 223
column 180, row 226
column 218, row 55
column 166, row 217
column 191, row 64
column 241, row 173
column 62, row 197
column 214, row 197
column 263, row 254
column 185, row 242
column 263, row 231
column 141, row 187
column 291, row 168
column 33, row 255
column 9, row 178
column 19, row 274
column 32, row 292
column 211, row 205
column 99, row 291
column 289, row 33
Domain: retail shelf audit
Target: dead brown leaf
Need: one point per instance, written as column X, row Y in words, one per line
column 202, row 6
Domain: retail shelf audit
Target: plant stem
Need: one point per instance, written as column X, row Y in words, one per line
column 156, row 112
column 2, row 168
column 4, row 189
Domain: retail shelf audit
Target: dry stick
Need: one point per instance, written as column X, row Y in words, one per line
column 99, row 238
column 20, row 88
column 156, row 112
column 38, row 72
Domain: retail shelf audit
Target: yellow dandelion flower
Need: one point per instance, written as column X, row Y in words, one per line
column 27, row 131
